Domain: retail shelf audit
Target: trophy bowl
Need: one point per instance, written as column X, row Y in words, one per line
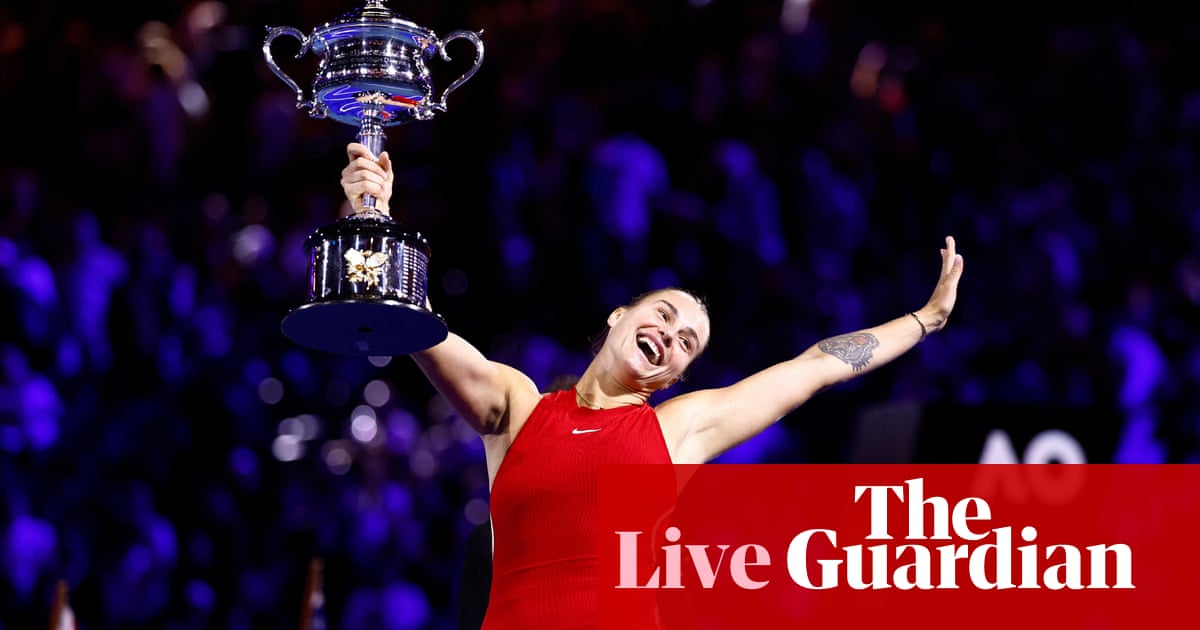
column 368, row 275
column 372, row 51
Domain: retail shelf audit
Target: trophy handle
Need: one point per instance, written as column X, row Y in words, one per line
column 371, row 135
column 473, row 37
column 272, row 33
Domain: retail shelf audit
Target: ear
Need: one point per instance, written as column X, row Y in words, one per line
column 614, row 316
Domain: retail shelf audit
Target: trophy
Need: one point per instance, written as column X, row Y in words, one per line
column 368, row 275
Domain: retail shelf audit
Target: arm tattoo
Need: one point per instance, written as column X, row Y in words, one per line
column 854, row 348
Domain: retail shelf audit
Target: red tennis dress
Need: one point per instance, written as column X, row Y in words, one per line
column 544, row 514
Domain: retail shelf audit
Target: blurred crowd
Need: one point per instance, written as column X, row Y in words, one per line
column 174, row 458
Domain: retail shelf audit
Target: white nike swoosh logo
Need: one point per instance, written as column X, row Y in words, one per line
column 582, row 431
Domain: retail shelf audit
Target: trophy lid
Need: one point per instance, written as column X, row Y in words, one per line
column 374, row 19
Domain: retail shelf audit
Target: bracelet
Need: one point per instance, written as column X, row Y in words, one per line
column 924, row 331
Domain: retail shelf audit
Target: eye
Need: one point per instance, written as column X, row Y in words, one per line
column 686, row 343
column 663, row 313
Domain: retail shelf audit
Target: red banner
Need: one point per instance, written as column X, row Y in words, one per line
column 920, row 546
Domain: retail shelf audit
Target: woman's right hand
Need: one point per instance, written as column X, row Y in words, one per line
column 365, row 175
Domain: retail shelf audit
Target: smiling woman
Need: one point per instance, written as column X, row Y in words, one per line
column 598, row 343
column 655, row 338
column 544, row 450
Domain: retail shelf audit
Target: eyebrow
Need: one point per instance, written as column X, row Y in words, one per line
column 687, row 330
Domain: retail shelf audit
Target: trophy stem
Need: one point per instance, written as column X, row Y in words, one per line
column 371, row 135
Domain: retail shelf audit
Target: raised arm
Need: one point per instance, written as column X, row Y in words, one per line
column 488, row 395
column 706, row 423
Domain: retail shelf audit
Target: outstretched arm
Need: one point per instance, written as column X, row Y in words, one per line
column 488, row 395
column 706, row 423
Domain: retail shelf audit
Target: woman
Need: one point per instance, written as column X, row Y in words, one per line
column 542, row 450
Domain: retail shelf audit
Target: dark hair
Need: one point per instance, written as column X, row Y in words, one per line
column 598, row 341
column 563, row 382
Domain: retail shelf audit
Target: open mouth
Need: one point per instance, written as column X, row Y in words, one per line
column 650, row 349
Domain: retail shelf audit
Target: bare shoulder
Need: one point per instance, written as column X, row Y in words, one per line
column 702, row 424
column 681, row 418
column 523, row 396
column 693, row 405
column 679, row 408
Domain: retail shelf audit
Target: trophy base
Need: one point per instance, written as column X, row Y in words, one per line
column 364, row 327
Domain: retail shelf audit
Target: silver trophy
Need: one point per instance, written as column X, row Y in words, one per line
column 368, row 275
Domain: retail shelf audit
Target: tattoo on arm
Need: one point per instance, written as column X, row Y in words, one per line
column 854, row 349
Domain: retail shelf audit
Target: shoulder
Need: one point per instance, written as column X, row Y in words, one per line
column 680, row 417
column 522, row 395
column 521, row 391
column 688, row 406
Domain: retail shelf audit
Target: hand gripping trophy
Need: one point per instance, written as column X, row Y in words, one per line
column 367, row 274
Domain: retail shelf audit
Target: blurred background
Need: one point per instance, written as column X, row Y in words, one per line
column 178, row 462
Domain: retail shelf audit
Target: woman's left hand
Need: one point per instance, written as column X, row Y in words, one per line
column 937, row 310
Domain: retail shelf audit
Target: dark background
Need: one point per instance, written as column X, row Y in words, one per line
column 167, row 452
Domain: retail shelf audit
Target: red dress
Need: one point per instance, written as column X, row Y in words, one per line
column 544, row 514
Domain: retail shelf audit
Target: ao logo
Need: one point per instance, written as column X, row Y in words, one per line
column 1047, row 447
column 1053, row 484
